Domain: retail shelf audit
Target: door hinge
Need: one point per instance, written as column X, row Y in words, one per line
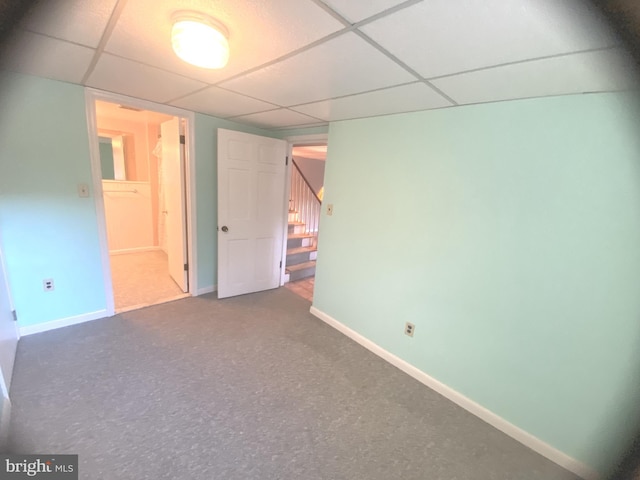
column 186, row 267
column 15, row 315
column 286, row 160
column 183, row 141
column 280, row 263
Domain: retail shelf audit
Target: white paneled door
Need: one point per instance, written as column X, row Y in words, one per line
column 251, row 212
column 173, row 180
column 8, row 330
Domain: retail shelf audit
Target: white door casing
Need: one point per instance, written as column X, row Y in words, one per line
column 251, row 219
column 8, row 328
column 174, row 201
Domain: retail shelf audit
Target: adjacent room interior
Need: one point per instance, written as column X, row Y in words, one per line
column 305, row 205
column 135, row 162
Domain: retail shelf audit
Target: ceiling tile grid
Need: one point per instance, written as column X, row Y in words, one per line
column 277, row 118
column 222, row 103
column 600, row 71
column 440, row 37
column 120, row 75
column 77, row 21
column 34, row 54
column 304, row 62
column 341, row 66
column 405, row 98
column 357, row 11
column 259, row 31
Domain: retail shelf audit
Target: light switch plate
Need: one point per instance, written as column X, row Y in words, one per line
column 83, row 190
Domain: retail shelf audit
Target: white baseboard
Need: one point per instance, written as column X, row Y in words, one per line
column 63, row 322
column 456, row 397
column 5, row 420
column 205, row 290
column 133, row 250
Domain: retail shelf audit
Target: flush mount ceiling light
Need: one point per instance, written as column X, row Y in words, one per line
column 199, row 39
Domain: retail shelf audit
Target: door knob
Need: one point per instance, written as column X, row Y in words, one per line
column 225, row 229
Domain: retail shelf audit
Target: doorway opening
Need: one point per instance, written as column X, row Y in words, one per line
column 305, row 206
column 140, row 183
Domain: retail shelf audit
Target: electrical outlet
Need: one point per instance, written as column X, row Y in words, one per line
column 48, row 285
column 409, row 328
column 330, row 209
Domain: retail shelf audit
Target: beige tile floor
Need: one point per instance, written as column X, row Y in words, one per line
column 141, row 279
column 303, row 288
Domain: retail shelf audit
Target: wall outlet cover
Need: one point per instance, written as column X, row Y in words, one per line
column 409, row 329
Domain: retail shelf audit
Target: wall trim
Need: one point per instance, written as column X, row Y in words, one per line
column 124, row 251
column 62, row 322
column 456, row 397
column 205, row 290
column 308, row 139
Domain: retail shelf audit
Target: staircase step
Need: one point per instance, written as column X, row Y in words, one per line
column 295, row 240
column 293, row 251
column 300, row 255
column 302, row 270
column 296, row 227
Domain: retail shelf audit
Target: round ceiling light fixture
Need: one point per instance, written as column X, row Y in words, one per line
column 199, row 39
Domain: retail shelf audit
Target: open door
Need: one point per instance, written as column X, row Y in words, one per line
column 251, row 212
column 175, row 209
column 8, row 327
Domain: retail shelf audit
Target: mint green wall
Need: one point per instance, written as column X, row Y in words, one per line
column 206, row 133
column 509, row 234
column 48, row 231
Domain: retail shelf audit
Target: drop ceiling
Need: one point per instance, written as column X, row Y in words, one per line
column 296, row 63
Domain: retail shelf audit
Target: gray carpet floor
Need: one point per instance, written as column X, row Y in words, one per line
column 251, row 387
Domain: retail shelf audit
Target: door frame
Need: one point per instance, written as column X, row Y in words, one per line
column 5, row 418
column 297, row 140
column 91, row 95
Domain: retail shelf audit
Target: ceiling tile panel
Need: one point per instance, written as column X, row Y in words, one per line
column 357, row 11
column 440, row 37
column 406, row 98
column 344, row 65
column 222, row 103
column 79, row 21
column 277, row 119
column 47, row 57
column 259, row 31
column 608, row 70
column 127, row 77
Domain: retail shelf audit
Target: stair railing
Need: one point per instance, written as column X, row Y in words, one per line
column 304, row 201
